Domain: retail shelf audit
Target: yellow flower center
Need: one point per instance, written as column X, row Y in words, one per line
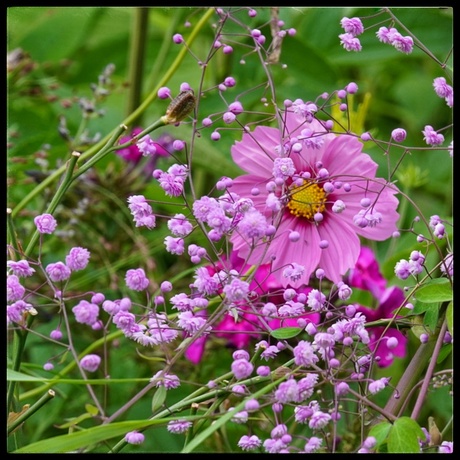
column 307, row 199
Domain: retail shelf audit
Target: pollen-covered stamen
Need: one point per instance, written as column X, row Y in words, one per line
column 307, row 200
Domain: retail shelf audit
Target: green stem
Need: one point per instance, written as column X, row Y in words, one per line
column 38, row 405
column 108, row 147
column 12, row 235
column 136, row 57
column 19, row 344
column 160, row 58
column 65, row 184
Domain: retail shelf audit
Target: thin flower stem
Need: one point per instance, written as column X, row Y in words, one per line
column 363, row 400
column 429, row 373
column 77, row 360
column 410, row 377
column 38, row 405
column 416, row 40
column 94, row 345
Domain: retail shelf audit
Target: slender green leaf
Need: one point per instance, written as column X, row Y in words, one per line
column 81, row 439
column 14, row 376
column 286, row 332
column 159, row 398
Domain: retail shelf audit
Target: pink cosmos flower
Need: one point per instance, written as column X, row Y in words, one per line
column 322, row 199
column 390, row 343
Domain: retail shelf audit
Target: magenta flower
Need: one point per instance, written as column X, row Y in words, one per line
column 131, row 154
column 390, row 343
column 248, row 326
column 322, row 199
column 366, row 273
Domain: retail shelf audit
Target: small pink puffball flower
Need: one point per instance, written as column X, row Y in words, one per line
column 90, row 362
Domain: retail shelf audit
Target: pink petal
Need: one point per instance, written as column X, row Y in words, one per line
column 256, row 151
column 305, row 252
column 343, row 250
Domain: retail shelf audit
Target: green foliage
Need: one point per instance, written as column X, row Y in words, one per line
column 284, row 333
column 400, row 437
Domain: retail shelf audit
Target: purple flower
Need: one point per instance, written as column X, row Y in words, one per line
column 136, row 279
column 179, row 225
column 403, row 44
column 249, row 442
column 319, row 420
column 441, row 87
column 313, row 444
column 242, row 368
column 353, row 26
column 391, row 299
column 236, row 290
column 85, row 312
column 90, row 363
column 45, row 223
column 446, row 447
column 141, row 211
column 447, row 266
column 77, row 259
column 384, row 34
column 398, row 134
column 146, row 145
column 431, row 137
column 178, row 39
column 350, row 42
column 134, row 437
column 162, row 379
column 304, row 354
column 14, row 289
column 14, row 312
column 20, row 268
column 178, row 426
column 164, row 92
column 58, row 271
column 174, row 245
column 378, row 385
column 307, row 200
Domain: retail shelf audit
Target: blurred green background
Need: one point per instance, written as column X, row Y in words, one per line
column 67, row 48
